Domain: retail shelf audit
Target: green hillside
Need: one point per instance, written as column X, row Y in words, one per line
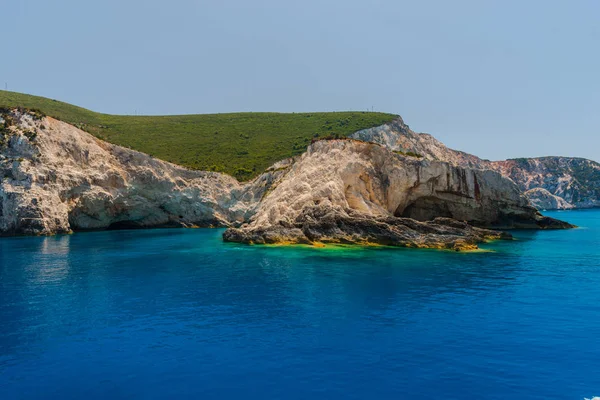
column 240, row 144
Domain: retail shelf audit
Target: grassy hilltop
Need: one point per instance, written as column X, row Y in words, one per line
column 240, row 144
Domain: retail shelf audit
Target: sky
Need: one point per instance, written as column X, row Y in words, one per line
column 499, row 79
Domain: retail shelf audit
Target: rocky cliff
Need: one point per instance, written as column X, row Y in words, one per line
column 542, row 199
column 57, row 178
column 575, row 181
column 397, row 136
column 347, row 191
column 566, row 182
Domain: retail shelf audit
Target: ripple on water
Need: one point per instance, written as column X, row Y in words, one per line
column 178, row 313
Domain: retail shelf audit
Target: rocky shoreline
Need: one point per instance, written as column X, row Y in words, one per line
column 354, row 192
column 57, row 178
column 329, row 225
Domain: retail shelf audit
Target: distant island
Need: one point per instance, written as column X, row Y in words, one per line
column 311, row 178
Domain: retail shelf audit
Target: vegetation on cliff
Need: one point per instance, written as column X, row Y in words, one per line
column 239, row 144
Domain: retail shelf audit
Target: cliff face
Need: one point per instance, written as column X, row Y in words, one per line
column 542, row 199
column 56, row 178
column 575, row 180
column 354, row 192
column 567, row 182
column 397, row 136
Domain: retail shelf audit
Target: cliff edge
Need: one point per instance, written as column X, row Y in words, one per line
column 567, row 182
column 348, row 191
column 57, row 178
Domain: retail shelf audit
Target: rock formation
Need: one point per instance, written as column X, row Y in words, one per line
column 322, row 224
column 542, row 199
column 57, row 178
column 348, row 191
column 397, row 136
column 574, row 181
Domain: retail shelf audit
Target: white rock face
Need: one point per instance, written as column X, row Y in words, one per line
column 397, row 136
column 544, row 200
column 374, row 181
column 57, row 178
column 65, row 179
column 370, row 179
column 575, row 180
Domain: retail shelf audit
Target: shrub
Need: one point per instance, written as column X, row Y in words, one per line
column 408, row 153
column 243, row 173
column 30, row 134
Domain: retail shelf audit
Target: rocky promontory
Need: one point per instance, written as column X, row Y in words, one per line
column 57, row 178
column 348, row 191
column 327, row 224
column 549, row 182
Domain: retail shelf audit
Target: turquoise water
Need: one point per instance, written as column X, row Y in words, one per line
column 179, row 314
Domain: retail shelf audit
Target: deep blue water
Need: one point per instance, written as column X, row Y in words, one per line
column 179, row 314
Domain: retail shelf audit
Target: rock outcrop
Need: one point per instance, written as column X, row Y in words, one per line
column 349, row 191
column 542, row 199
column 56, row 178
column 397, row 136
column 327, row 224
column 575, row 181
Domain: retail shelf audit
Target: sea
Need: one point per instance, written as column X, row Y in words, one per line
column 179, row 314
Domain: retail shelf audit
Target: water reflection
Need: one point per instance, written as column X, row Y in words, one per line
column 52, row 262
column 190, row 283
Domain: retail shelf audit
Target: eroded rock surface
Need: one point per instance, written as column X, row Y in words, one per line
column 574, row 180
column 397, row 136
column 362, row 182
column 328, row 224
column 542, row 199
column 57, row 178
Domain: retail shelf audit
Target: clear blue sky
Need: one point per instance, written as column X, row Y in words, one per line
column 496, row 78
